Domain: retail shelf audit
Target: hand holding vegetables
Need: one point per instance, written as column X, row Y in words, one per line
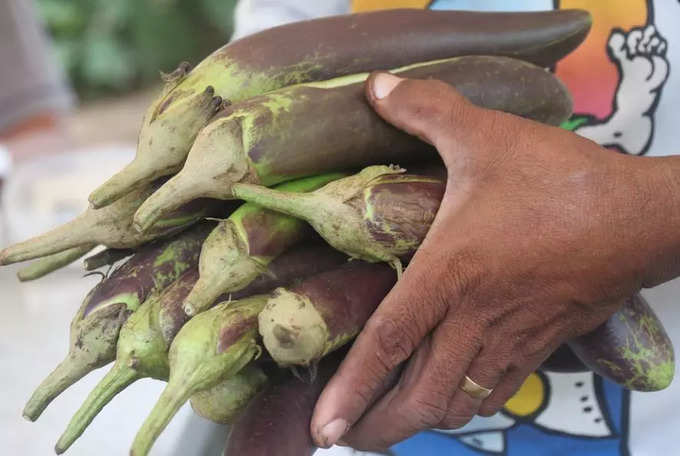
column 510, row 268
column 483, row 295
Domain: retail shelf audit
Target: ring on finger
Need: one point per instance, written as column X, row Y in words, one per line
column 474, row 389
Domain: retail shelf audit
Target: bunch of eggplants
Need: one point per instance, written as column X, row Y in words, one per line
column 230, row 303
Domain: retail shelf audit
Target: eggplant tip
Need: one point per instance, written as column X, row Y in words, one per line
column 28, row 417
column 189, row 309
column 58, row 449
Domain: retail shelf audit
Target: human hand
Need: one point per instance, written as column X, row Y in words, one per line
column 539, row 235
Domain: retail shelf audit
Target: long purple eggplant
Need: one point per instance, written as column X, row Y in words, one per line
column 145, row 338
column 210, row 348
column 301, row 324
column 327, row 126
column 241, row 247
column 378, row 214
column 326, row 48
column 95, row 327
column 277, row 420
column 631, row 348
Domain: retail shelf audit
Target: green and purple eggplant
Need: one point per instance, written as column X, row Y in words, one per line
column 277, row 421
column 51, row 263
column 378, row 214
column 326, row 48
column 210, row 348
column 270, row 138
column 110, row 226
column 240, row 247
column 631, row 348
column 145, row 338
column 95, row 327
column 301, row 324
column 224, row 402
column 141, row 352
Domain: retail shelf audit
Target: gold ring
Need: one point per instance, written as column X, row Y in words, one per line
column 474, row 389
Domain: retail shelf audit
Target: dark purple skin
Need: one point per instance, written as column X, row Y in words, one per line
column 277, row 420
column 231, row 333
column 297, row 264
column 347, row 296
column 172, row 317
column 631, row 348
column 403, row 208
column 267, row 242
column 354, row 136
column 393, row 38
column 140, row 275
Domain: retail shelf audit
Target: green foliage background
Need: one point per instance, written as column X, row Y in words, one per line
column 113, row 46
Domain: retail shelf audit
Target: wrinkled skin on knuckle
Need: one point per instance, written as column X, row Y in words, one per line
column 457, row 276
column 393, row 343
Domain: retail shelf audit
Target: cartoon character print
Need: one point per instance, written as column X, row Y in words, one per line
column 639, row 54
column 552, row 414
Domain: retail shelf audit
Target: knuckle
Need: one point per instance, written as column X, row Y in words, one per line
column 426, row 413
column 461, row 276
column 393, row 344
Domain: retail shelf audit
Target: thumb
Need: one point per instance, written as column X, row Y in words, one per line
column 430, row 109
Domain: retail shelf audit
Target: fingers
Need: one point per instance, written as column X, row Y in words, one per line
column 487, row 369
column 505, row 389
column 429, row 109
column 421, row 398
column 436, row 280
column 389, row 338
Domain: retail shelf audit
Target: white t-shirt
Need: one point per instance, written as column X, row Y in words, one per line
column 625, row 97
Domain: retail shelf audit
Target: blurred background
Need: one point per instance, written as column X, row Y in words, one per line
column 75, row 79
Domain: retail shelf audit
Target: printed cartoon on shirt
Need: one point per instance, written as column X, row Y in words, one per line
column 616, row 78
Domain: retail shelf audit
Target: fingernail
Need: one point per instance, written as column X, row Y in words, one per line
column 384, row 83
column 332, row 432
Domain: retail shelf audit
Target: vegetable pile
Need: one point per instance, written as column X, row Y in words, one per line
column 242, row 307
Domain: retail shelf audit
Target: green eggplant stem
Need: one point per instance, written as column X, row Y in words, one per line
column 228, row 263
column 76, row 233
column 69, row 371
column 51, row 263
column 133, row 176
column 116, row 380
column 301, row 205
column 162, row 202
column 171, row 400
